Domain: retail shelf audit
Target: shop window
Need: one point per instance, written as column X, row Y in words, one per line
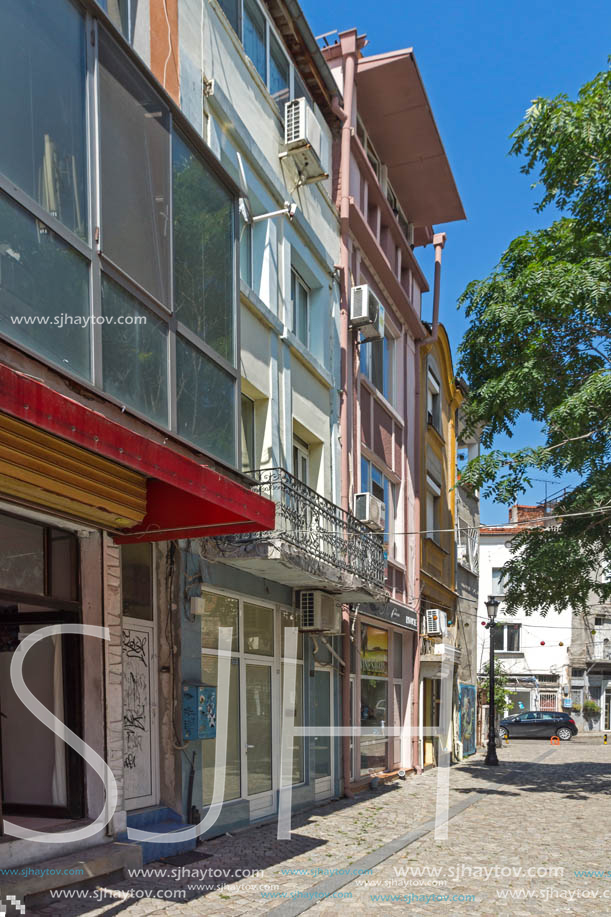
column 135, row 172
column 203, row 251
column 397, row 648
column 374, row 696
column 38, row 560
column 41, row 277
column 42, row 106
column 137, row 581
column 233, row 769
column 205, row 402
column 134, row 353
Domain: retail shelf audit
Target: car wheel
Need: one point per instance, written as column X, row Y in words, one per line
column 564, row 734
column 502, row 732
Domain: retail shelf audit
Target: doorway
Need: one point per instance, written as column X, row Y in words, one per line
column 323, row 744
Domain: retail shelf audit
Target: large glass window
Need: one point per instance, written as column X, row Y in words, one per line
column 233, row 770
column 374, row 696
column 38, row 560
column 258, row 629
column 220, row 611
column 44, row 290
column 254, row 37
column 205, row 396
column 135, row 172
column 42, row 106
column 134, row 353
column 203, row 251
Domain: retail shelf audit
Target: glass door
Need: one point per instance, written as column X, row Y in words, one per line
column 323, row 744
column 258, row 768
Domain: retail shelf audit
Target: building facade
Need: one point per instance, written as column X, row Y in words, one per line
column 590, row 672
column 533, row 649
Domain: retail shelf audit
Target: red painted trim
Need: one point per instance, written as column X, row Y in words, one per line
column 180, row 488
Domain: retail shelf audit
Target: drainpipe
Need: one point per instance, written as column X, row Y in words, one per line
column 349, row 52
column 439, row 240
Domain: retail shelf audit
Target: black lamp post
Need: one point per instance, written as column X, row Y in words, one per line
column 491, row 757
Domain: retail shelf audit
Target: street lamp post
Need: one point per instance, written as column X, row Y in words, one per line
column 491, row 757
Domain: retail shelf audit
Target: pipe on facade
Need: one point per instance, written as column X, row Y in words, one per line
column 349, row 50
column 439, row 240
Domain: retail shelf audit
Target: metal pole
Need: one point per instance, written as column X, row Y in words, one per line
column 491, row 757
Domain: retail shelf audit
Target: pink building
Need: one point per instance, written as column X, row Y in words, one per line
column 392, row 182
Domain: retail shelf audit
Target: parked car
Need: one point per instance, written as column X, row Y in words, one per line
column 539, row 725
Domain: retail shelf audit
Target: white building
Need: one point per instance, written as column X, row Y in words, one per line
column 533, row 649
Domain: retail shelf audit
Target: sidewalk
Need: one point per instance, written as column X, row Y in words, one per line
column 538, row 809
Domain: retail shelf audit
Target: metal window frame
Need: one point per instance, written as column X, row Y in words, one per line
column 91, row 250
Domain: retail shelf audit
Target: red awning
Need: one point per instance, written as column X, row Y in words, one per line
column 183, row 497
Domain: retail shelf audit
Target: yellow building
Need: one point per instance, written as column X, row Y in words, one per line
column 441, row 397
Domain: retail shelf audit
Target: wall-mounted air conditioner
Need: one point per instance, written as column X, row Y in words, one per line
column 370, row 511
column 435, row 622
column 303, row 141
column 318, row 612
column 366, row 312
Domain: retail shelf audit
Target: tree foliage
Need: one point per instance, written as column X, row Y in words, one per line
column 539, row 342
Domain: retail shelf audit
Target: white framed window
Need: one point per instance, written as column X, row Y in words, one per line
column 507, row 638
column 300, row 302
column 375, row 482
column 301, row 460
column 498, row 583
column 433, row 507
column 433, row 402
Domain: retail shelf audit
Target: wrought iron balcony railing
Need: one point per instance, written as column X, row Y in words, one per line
column 318, row 527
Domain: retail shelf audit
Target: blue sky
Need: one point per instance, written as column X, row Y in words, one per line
column 482, row 63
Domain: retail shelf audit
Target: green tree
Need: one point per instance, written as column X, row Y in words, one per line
column 501, row 691
column 539, row 343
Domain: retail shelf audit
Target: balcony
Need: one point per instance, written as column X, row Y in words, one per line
column 315, row 545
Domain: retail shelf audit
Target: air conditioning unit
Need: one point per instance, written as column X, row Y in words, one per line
column 370, row 511
column 303, row 141
column 318, row 612
column 366, row 312
column 435, row 622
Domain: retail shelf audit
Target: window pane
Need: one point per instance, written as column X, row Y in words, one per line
column 254, row 37
column 397, row 648
column 135, row 172
column 233, row 770
column 365, row 357
column 230, row 8
column 42, row 278
column 63, row 564
column 137, row 581
column 498, row 633
column 513, row 637
column 278, row 75
column 498, row 586
column 248, row 434
column 22, row 565
column 294, row 707
column 246, row 253
column 364, row 476
column 203, row 251
column 134, row 353
column 302, row 314
column 206, row 404
column 259, row 727
column 377, row 364
column 374, row 651
column 373, row 713
column 258, row 630
column 42, row 106
column 219, row 611
column 118, row 13
column 377, row 483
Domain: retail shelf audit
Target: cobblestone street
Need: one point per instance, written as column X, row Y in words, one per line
column 520, row 840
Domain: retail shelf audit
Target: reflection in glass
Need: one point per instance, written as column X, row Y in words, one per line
column 233, row 770
column 135, row 172
column 322, row 718
column 294, row 709
column 134, row 353
column 397, row 654
column 373, row 713
column 42, row 277
column 42, row 106
column 278, row 74
column 206, row 403
column 259, row 728
column 203, row 251
column 22, row 561
column 254, row 37
column 258, row 630
column 219, row 611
